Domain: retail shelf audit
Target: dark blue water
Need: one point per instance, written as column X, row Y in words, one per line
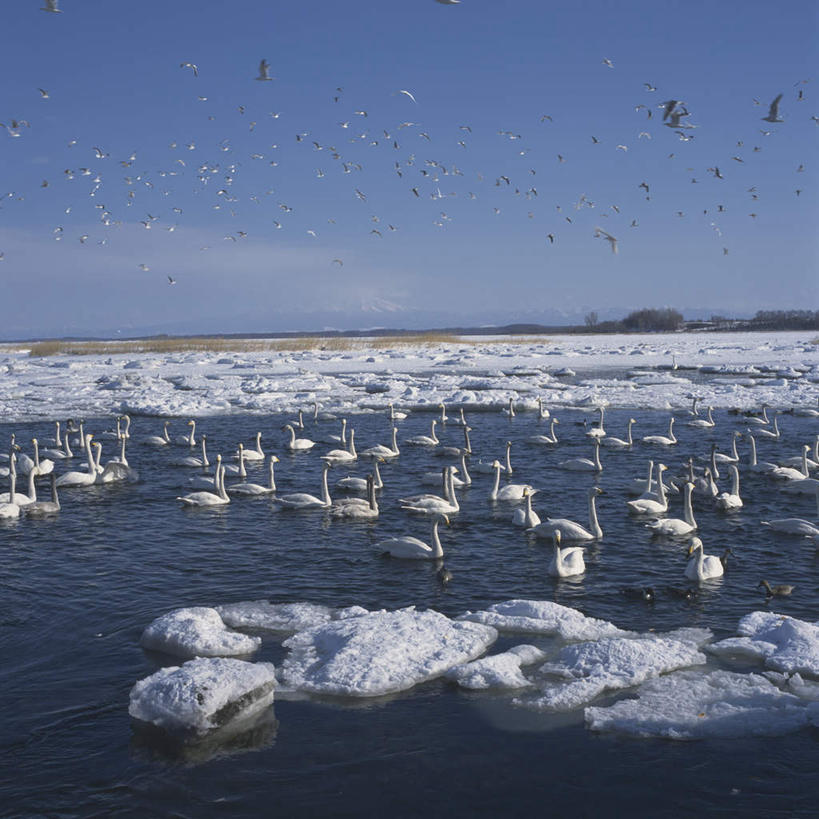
column 76, row 592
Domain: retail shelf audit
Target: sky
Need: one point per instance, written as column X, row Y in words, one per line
column 327, row 197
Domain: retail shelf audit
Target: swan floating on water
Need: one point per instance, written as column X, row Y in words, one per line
column 551, row 438
column 159, row 440
column 298, row 444
column 585, row 464
column 663, row 440
column 425, row 440
column 255, row 489
column 570, row 530
column 411, row 548
column 701, row 566
column 218, row 498
column 674, row 527
column 512, row 492
column 651, row 505
column 619, row 443
column 730, row 500
column 301, row 500
column 568, row 561
column 526, row 518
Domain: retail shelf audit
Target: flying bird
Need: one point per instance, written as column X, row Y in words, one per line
column 52, row 6
column 773, row 111
column 192, row 67
column 407, row 93
column 171, row 280
column 264, row 71
column 599, row 232
column 608, row 62
column 43, row 93
column 448, row 2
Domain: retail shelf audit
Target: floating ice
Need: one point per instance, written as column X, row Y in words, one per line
column 543, row 617
column 497, row 671
column 196, row 632
column 203, row 694
column 692, row 705
column 608, row 665
column 284, row 617
column 380, row 652
column 784, row 643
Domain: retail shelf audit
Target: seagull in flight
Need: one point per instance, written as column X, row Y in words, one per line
column 773, row 111
column 52, row 6
column 264, row 71
column 43, row 93
column 192, row 67
column 171, row 280
column 407, row 93
column 448, row 2
column 608, row 62
column 599, row 232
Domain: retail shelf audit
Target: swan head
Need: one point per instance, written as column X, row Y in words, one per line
column 441, row 519
column 496, row 464
column 695, row 544
column 556, row 537
column 594, row 491
column 274, row 459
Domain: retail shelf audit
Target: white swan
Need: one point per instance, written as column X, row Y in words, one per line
column 762, row 420
column 342, row 456
column 619, row 443
column 790, row 473
column 385, row 452
column 425, row 440
column 730, row 500
column 18, row 498
column 598, row 431
column 542, row 412
column 355, row 484
column 694, row 411
column 301, row 500
column 190, row 438
column 60, row 454
column 113, row 434
column 396, row 415
column 431, row 478
column 236, row 469
column 774, row 434
column 255, row 454
column 444, row 418
column 551, row 438
column 40, row 509
column 159, row 440
column 652, row 505
column 321, row 416
column 460, row 421
column 701, row 566
column 526, row 518
column 733, row 458
column 513, row 492
column 455, row 451
column 411, row 548
column 703, row 423
column 509, row 411
column 433, row 504
column 675, row 527
column 807, row 486
column 299, row 422
column 799, row 461
column 338, row 439
column 663, row 440
column 703, row 485
column 118, row 469
column 765, row 467
column 297, row 444
column 44, row 466
column 192, row 460
column 643, row 486
column 568, row 561
column 795, row 526
column 585, row 464
column 218, row 498
column 256, row 489
column 569, row 529
column 358, row 508
column 410, row 499
column 807, row 412
column 82, row 478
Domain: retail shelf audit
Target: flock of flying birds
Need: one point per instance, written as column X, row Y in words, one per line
column 120, row 189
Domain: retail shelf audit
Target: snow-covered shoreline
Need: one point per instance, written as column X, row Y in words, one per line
column 648, row 371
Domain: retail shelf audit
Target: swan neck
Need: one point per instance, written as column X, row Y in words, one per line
column 660, row 485
column 467, row 478
column 509, row 459
column 437, row 551
column 32, row 489
column 753, row 450
column 325, row 489
column 594, row 525
column 597, row 465
column 292, row 435
column 688, row 509
column 351, row 446
column 432, row 432
column 467, row 444
column 272, row 477
column 451, row 490
column 494, row 493
column 377, row 482
column 735, row 481
column 57, row 439
column 395, row 439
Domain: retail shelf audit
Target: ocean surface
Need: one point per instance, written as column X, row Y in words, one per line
column 78, row 589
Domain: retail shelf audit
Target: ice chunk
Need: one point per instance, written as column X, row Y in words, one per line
column 380, row 652
column 607, row 665
column 284, row 617
column 497, row 671
column 692, row 705
column 196, row 632
column 203, row 694
column 543, row 617
column 784, row 643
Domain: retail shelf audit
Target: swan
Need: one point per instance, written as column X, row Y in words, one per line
column 652, row 505
column 354, row 484
column 713, row 461
column 730, row 500
column 509, row 411
column 455, row 451
column 60, row 454
column 125, row 432
column 411, row 548
column 412, row 499
column 460, row 421
column 642, row 486
column 795, row 526
column 585, row 464
column 80, row 441
column 159, row 440
column 339, row 439
column 321, row 416
column 800, row 461
column 567, row 561
column 674, row 526
column 789, row 473
column 299, row 422
column 489, row 467
column 255, row 454
column 45, row 466
column 396, row 415
column 807, row 486
column 82, row 478
column 342, row 456
column 569, row 530
column 755, row 419
column 14, row 497
column 218, row 498
column 733, row 458
column 513, row 492
column 774, row 434
column 435, row 477
column 542, row 412
column 24, row 463
column 701, row 566
column 598, row 431
column 702, row 485
column 192, row 460
column 433, row 504
column 301, row 500
column 384, row 452
column 190, row 438
column 619, row 443
column 807, row 412
column 297, row 444
column 526, row 518
column 42, row 508
column 57, row 439
column 694, row 411
column 663, row 440
column 117, row 469
column 357, row 508
column 256, row 489
column 113, row 434
column 765, row 467
column 551, row 438
column 236, row 469
column 425, row 440
column 444, row 418
column 704, row 423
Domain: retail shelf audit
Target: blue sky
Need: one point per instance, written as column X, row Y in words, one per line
column 249, row 189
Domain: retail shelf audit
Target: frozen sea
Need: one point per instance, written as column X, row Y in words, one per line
column 499, row 692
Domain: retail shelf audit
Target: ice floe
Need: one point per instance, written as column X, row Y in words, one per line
column 203, row 694
column 282, row 617
column 608, row 665
column 783, row 643
column 196, row 632
column 498, row 670
column 692, row 705
column 543, row 617
column 380, row 652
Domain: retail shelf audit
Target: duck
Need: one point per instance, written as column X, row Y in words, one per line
column 700, row 566
column 551, row 438
column 342, row 456
column 568, row 561
column 663, row 440
column 775, row 591
column 645, row 593
column 255, row 489
column 674, row 527
column 425, row 440
column 704, row 423
column 512, row 492
column 301, row 500
column 204, row 498
column 411, row 548
column 385, row 453
column 619, row 443
column 569, row 529
column 526, row 518
column 730, row 500
column 41, row 509
column 297, row 444
column 159, row 440
column 652, row 505
column 585, row 464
